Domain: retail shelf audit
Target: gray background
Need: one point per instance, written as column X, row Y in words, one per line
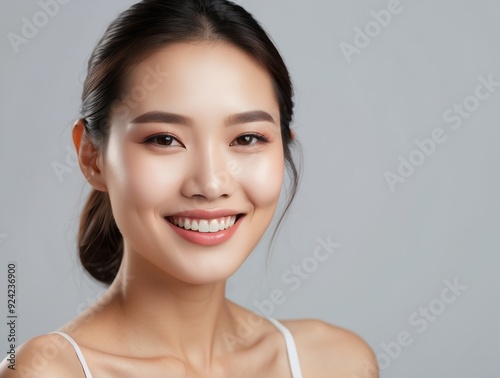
column 354, row 120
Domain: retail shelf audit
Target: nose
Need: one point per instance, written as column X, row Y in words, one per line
column 208, row 176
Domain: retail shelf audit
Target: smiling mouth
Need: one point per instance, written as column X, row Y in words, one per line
column 205, row 225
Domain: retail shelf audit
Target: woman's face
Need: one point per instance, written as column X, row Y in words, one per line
column 212, row 143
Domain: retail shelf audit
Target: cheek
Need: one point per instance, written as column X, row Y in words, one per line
column 142, row 179
column 262, row 177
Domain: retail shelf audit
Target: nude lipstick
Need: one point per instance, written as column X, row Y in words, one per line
column 205, row 227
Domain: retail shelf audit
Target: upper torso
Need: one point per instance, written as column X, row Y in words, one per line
column 275, row 356
column 323, row 350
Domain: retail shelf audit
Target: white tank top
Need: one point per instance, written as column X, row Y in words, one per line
column 291, row 349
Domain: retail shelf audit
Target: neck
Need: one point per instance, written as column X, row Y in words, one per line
column 161, row 315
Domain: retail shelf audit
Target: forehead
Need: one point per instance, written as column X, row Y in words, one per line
column 199, row 55
column 200, row 72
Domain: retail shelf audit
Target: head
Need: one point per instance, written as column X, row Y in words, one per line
column 187, row 105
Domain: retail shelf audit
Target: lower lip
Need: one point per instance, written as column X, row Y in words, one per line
column 206, row 238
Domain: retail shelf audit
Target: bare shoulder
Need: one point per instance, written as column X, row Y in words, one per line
column 330, row 351
column 49, row 355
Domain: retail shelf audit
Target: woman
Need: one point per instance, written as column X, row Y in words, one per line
column 184, row 137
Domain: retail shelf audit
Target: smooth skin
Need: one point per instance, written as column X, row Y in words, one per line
column 166, row 314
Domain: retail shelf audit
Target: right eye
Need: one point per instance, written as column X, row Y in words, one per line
column 163, row 140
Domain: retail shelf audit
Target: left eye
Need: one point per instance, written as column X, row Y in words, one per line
column 249, row 139
column 162, row 140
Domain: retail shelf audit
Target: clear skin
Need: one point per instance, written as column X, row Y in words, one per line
column 166, row 311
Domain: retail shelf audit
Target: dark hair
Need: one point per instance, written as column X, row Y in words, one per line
column 135, row 33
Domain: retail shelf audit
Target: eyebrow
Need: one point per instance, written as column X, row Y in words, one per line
column 234, row 119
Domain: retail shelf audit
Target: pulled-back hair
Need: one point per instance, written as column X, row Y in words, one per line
column 137, row 32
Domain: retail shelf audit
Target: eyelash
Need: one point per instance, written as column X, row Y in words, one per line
column 150, row 140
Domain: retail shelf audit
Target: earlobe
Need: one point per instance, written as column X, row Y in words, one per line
column 88, row 157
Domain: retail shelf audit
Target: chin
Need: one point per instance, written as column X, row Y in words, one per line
column 205, row 274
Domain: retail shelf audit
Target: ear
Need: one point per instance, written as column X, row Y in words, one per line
column 89, row 159
column 292, row 133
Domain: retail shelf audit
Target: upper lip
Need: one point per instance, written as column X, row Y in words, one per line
column 205, row 214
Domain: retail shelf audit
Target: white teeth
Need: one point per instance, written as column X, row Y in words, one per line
column 214, row 226
column 204, row 225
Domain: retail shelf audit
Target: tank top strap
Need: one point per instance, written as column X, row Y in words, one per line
column 78, row 353
column 293, row 356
